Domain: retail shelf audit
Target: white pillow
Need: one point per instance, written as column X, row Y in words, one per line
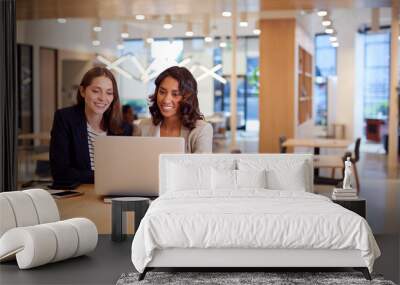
column 281, row 173
column 293, row 180
column 223, row 179
column 182, row 177
column 251, row 178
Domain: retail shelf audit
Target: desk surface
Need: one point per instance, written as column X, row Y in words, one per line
column 89, row 205
column 328, row 143
column 45, row 156
column 328, row 161
column 34, row 136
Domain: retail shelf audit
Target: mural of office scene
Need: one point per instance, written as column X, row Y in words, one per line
column 212, row 141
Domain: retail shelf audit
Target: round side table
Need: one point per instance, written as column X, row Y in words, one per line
column 120, row 205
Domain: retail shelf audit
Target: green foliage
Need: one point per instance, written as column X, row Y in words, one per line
column 372, row 110
column 254, row 80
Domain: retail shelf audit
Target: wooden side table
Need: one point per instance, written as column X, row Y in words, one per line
column 139, row 205
column 358, row 206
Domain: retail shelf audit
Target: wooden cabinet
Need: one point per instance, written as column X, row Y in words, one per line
column 304, row 86
column 373, row 127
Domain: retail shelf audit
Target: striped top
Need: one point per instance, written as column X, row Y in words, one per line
column 92, row 134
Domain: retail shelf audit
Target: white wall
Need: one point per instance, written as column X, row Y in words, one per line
column 75, row 35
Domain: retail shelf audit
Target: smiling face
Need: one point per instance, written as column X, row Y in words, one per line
column 98, row 95
column 168, row 98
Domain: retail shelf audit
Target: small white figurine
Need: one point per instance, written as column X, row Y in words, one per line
column 347, row 174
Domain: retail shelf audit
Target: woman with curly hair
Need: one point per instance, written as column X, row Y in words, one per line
column 174, row 109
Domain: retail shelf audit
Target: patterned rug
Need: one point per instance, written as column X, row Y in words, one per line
column 228, row 278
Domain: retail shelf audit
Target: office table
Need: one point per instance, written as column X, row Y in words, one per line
column 89, row 205
column 34, row 136
column 317, row 144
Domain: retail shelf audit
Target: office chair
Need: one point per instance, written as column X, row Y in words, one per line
column 282, row 149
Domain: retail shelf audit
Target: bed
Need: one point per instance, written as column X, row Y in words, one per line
column 247, row 210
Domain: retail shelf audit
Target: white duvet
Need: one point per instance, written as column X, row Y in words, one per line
column 250, row 219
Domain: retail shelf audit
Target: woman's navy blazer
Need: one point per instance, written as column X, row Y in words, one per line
column 69, row 149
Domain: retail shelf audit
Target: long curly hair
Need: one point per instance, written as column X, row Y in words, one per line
column 189, row 105
column 112, row 117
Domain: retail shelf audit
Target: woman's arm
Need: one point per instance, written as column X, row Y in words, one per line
column 202, row 139
column 61, row 152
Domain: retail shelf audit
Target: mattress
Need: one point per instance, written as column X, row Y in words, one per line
column 251, row 219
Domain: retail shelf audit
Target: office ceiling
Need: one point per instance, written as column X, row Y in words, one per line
column 178, row 9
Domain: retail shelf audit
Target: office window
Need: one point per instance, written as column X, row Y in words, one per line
column 253, row 87
column 247, row 70
column 325, row 66
column 166, row 52
column 376, row 75
column 218, row 86
column 155, row 58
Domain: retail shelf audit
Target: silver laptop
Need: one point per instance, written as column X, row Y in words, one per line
column 128, row 166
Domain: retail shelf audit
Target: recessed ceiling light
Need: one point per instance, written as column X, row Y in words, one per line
column 167, row 26
column 208, row 39
column 322, row 13
column 189, row 30
column 329, row 30
column 140, row 17
column 257, row 32
column 61, row 20
column 149, row 40
column 124, row 35
column 222, row 44
column 168, row 22
column 97, row 29
column 226, row 14
column 96, row 43
column 243, row 20
column 333, row 38
column 326, row 22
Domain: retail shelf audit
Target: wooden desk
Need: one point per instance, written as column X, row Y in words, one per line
column 34, row 136
column 45, row 156
column 89, row 205
column 317, row 143
column 328, row 161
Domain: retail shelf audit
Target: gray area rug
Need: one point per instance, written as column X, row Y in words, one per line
column 228, row 278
